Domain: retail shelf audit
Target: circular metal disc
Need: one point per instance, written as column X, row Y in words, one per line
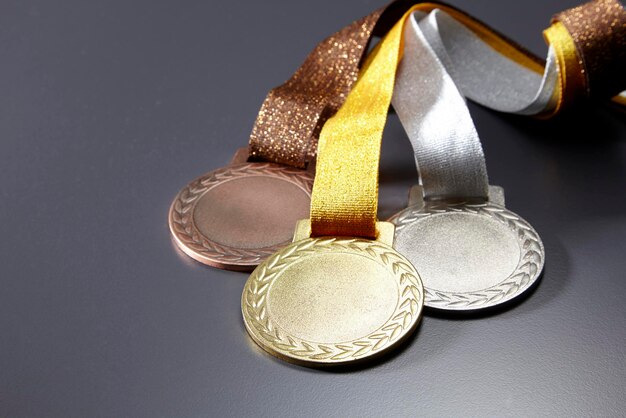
column 329, row 301
column 236, row 216
column 470, row 256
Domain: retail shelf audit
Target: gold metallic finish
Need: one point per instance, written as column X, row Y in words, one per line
column 386, row 231
column 236, row 216
column 330, row 301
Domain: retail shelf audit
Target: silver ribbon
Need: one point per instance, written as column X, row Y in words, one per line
column 435, row 116
column 483, row 74
column 443, row 63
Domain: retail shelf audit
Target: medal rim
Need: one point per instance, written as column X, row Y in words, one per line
column 317, row 354
column 525, row 275
column 194, row 244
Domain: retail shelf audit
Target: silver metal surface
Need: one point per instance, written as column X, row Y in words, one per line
column 435, row 116
column 470, row 256
column 471, row 252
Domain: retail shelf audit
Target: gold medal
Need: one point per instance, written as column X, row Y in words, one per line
column 340, row 293
column 329, row 301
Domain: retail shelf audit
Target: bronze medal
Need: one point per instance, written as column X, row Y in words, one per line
column 236, row 216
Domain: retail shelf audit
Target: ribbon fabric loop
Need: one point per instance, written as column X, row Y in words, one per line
column 587, row 57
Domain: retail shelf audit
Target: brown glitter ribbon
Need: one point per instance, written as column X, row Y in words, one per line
column 598, row 29
column 292, row 115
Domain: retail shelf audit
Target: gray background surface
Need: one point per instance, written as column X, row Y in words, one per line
column 108, row 108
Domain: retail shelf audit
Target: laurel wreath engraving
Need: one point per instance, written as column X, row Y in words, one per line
column 181, row 214
column 402, row 321
column 528, row 269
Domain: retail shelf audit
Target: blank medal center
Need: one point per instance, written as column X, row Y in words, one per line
column 460, row 252
column 251, row 212
column 333, row 298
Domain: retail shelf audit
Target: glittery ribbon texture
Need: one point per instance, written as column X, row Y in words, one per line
column 598, row 31
column 293, row 113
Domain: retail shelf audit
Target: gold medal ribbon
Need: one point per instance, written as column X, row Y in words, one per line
column 344, row 201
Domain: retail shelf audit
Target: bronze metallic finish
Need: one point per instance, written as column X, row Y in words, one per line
column 598, row 29
column 332, row 300
column 292, row 115
column 234, row 217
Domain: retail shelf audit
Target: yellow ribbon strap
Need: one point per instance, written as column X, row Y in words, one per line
column 345, row 193
column 571, row 71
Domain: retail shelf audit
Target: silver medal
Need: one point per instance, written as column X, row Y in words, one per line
column 469, row 255
column 471, row 251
